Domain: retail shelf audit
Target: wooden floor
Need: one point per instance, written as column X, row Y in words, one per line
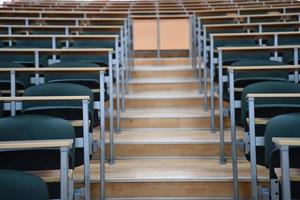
column 166, row 150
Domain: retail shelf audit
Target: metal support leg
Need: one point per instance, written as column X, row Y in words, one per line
column 36, row 65
column 122, row 71
column 199, row 61
column 64, row 169
column 117, row 66
column 212, row 92
column 233, row 136
column 111, row 105
column 86, row 148
column 252, row 149
column 285, row 171
column 13, row 92
column 102, row 138
column 296, row 61
column 221, row 113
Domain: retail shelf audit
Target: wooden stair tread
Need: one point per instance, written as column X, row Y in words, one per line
column 164, row 94
column 176, row 112
column 50, row 176
column 163, row 68
column 170, row 170
column 168, row 136
column 162, row 80
column 294, row 174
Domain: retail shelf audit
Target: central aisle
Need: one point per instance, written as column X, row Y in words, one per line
column 165, row 149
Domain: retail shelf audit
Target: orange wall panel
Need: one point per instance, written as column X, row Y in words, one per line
column 145, row 34
column 174, row 34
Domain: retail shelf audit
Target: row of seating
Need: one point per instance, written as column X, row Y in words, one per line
column 257, row 73
column 191, row 6
column 73, row 79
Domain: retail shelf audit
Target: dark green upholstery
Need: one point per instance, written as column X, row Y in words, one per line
column 90, row 80
column 15, row 185
column 57, row 89
column 100, row 60
column 268, row 107
column 242, row 79
column 270, row 87
column 34, row 43
column 33, row 127
column 286, row 125
column 231, row 57
column 69, row 110
column 22, row 79
column 25, row 59
column 258, row 76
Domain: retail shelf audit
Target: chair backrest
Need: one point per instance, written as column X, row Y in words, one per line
column 22, row 79
column 34, row 127
column 69, row 110
column 26, row 60
column 270, row 103
column 16, row 185
column 286, row 125
column 100, row 60
column 58, row 89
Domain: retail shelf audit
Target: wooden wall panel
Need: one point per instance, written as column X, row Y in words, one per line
column 174, row 34
column 145, row 34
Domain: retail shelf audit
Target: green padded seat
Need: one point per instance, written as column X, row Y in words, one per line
column 231, row 57
column 34, row 127
column 26, row 59
column 268, row 107
column 16, row 185
column 100, row 60
column 69, row 110
column 242, row 79
column 40, row 43
column 286, row 125
column 90, row 80
column 277, row 127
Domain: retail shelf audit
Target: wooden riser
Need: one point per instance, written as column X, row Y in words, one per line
column 163, row 74
column 142, row 103
column 166, row 150
column 162, row 86
column 171, row 189
column 168, row 123
column 172, row 61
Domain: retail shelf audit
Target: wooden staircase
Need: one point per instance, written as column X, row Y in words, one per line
column 165, row 150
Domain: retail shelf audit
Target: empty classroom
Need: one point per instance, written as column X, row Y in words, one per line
column 149, row 99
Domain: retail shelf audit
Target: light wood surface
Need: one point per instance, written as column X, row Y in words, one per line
column 29, row 144
column 273, row 95
column 48, row 50
column 145, row 34
column 172, row 170
column 248, row 48
column 51, row 176
column 286, row 141
column 59, row 36
column 274, row 67
column 62, row 26
column 229, row 35
column 55, row 69
column 44, row 98
column 294, row 174
column 245, row 16
column 208, row 26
